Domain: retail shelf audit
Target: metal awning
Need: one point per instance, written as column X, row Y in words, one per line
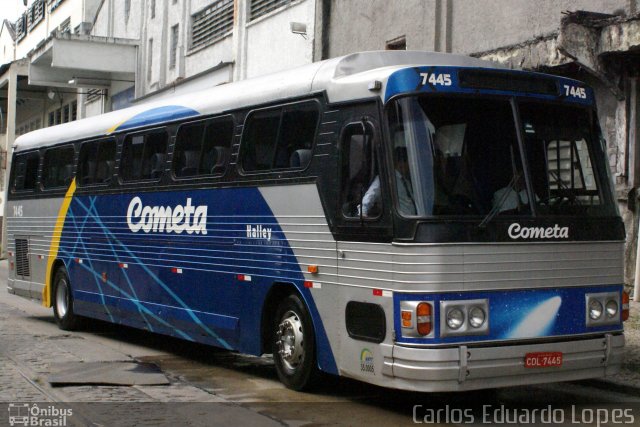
column 70, row 60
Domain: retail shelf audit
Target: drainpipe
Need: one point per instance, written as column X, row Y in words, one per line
column 636, row 286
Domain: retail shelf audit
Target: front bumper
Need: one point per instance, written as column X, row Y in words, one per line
column 469, row 368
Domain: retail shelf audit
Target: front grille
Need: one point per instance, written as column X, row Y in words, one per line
column 22, row 258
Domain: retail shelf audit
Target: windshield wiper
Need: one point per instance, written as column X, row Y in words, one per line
column 511, row 187
column 497, row 208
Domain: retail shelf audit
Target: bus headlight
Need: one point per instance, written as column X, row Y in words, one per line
column 595, row 309
column 455, row 318
column 612, row 308
column 603, row 309
column 464, row 317
column 476, row 317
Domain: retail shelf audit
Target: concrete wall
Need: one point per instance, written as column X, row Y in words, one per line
column 359, row 25
column 271, row 46
column 459, row 26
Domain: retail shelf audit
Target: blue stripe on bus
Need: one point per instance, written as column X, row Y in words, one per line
column 206, row 299
column 157, row 115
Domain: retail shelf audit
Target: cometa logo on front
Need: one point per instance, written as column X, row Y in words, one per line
column 516, row 231
column 165, row 219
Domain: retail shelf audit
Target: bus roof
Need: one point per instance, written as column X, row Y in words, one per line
column 344, row 78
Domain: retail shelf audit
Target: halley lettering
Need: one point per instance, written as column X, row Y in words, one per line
column 259, row 232
column 164, row 219
column 516, row 231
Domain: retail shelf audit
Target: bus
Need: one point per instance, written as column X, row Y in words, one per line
column 414, row 220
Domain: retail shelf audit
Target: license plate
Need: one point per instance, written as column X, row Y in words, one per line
column 543, row 360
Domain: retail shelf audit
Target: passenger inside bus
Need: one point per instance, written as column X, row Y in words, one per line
column 406, row 201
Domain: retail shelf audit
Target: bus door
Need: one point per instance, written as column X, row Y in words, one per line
column 364, row 226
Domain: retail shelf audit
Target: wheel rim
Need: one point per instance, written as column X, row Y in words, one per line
column 290, row 341
column 62, row 298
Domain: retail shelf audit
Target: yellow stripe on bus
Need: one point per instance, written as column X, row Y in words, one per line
column 55, row 242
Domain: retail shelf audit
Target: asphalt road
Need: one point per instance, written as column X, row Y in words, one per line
column 214, row 387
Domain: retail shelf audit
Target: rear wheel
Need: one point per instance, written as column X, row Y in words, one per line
column 63, row 302
column 294, row 345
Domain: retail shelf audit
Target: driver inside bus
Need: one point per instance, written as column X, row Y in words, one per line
column 404, row 188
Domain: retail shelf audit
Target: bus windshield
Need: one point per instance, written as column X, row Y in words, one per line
column 460, row 156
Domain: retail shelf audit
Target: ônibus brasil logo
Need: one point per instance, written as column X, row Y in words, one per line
column 165, row 219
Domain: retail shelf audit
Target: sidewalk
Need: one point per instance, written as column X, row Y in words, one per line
column 629, row 376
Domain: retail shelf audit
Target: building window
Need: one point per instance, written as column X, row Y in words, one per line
column 262, row 7
column 174, row 46
column 150, row 60
column 399, row 43
column 153, row 9
column 54, row 4
column 74, row 111
column 21, row 27
column 127, row 10
column 59, row 116
column 65, row 27
column 211, row 23
column 52, row 118
column 35, row 14
column 66, row 113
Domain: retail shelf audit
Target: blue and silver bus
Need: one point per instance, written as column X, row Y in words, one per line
column 415, row 220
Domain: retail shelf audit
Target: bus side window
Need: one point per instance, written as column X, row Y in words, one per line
column 57, row 169
column 361, row 192
column 280, row 138
column 144, row 156
column 96, row 162
column 202, row 148
column 26, row 172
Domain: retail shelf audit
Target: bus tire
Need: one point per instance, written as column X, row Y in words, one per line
column 63, row 312
column 294, row 345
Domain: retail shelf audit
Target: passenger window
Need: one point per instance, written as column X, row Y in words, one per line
column 97, row 162
column 280, row 138
column 202, row 148
column 26, row 172
column 144, row 156
column 361, row 186
column 57, row 169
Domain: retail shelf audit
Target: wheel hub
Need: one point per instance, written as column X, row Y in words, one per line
column 62, row 298
column 290, row 340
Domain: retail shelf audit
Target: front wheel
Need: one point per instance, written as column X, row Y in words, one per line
column 294, row 345
column 63, row 302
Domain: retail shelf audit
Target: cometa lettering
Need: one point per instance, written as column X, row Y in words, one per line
column 516, row 231
column 165, row 219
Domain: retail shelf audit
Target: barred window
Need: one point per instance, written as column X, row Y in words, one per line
column 21, row 27
column 211, row 23
column 35, row 14
column 54, row 4
column 262, row 7
column 173, row 53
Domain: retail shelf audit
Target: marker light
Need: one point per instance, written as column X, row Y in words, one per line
column 595, row 309
column 406, row 319
column 611, row 308
column 424, row 323
column 625, row 306
column 455, row 318
column 476, row 317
